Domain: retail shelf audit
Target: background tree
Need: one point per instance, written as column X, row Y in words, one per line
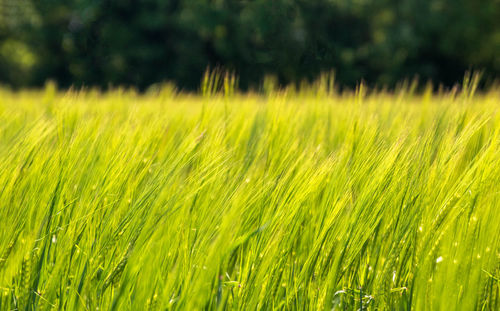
column 141, row 42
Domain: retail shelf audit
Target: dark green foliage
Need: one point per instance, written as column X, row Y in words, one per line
column 132, row 42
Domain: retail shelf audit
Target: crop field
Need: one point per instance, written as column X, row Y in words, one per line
column 281, row 200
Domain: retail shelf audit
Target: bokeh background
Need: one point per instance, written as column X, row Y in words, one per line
column 142, row 42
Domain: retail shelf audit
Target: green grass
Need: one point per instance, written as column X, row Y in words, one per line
column 290, row 200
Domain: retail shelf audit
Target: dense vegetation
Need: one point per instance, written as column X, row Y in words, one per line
column 131, row 42
column 289, row 200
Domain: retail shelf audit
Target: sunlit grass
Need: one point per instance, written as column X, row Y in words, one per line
column 290, row 200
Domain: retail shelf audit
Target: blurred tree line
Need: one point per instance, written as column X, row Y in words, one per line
column 141, row 42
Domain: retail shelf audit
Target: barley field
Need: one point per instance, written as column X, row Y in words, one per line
column 280, row 200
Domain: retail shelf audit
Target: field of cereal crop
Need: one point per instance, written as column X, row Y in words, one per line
column 285, row 200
